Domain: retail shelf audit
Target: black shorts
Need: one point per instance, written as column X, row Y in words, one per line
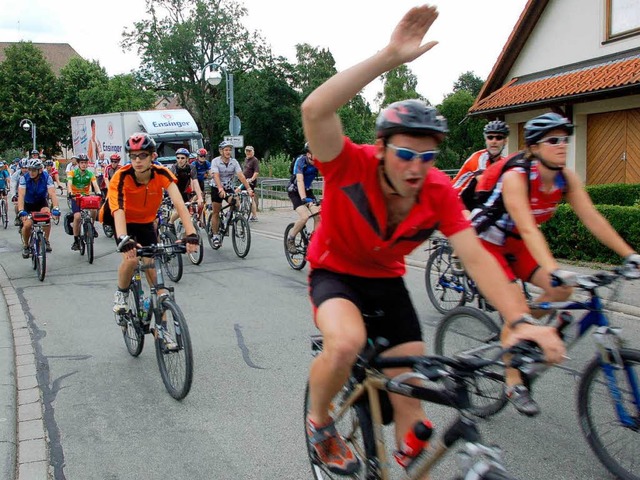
column 143, row 233
column 384, row 302
column 215, row 196
column 36, row 206
column 297, row 201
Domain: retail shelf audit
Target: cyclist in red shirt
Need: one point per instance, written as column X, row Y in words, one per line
column 380, row 202
column 525, row 197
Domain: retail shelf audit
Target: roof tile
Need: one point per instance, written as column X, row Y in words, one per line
column 601, row 77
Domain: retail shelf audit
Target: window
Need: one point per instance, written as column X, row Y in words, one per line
column 623, row 18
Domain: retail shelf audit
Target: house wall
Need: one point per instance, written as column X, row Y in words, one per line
column 577, row 151
column 567, row 32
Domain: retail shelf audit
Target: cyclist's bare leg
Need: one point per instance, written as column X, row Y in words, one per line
column 26, row 231
column 76, row 224
column 215, row 220
column 313, row 208
column 344, row 336
column 125, row 271
column 303, row 215
column 406, row 411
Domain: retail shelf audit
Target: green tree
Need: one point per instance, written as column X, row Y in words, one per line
column 470, row 82
column 465, row 133
column 314, row 67
column 180, row 37
column 28, row 90
column 121, row 93
column 398, row 84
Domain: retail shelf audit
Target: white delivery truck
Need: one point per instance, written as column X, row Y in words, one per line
column 107, row 133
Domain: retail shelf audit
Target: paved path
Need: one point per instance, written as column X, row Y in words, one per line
column 23, row 443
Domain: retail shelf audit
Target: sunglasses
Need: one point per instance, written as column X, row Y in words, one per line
column 141, row 156
column 408, row 155
column 555, row 140
column 494, row 137
column 180, row 157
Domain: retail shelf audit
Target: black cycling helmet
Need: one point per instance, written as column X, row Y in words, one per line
column 413, row 117
column 140, row 141
column 306, row 148
column 536, row 128
column 49, row 163
column 82, row 158
column 35, row 152
column 496, row 126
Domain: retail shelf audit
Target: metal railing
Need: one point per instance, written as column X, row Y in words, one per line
column 272, row 192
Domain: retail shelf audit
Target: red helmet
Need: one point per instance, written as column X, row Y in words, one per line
column 140, row 141
column 115, row 156
column 202, row 152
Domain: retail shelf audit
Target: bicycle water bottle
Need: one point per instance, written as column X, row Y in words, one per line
column 414, row 443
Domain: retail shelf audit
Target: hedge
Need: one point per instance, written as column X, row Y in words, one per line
column 569, row 239
column 621, row 194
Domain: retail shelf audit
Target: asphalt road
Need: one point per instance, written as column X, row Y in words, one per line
column 108, row 416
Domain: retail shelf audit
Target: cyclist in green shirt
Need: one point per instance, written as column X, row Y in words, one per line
column 79, row 182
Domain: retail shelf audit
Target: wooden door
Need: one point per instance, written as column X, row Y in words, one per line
column 606, row 139
column 633, row 146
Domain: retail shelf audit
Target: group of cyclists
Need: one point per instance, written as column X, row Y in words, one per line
column 380, row 202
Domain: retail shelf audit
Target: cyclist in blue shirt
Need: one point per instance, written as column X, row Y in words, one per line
column 33, row 189
column 301, row 195
column 202, row 167
column 5, row 179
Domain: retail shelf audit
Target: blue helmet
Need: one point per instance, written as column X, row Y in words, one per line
column 536, row 128
column 182, row 151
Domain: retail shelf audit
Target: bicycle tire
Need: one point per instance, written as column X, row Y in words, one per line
column 41, row 256
column 34, row 251
column 171, row 262
column 356, row 428
column 4, row 213
column 445, row 290
column 88, row 240
column 240, row 236
column 467, row 331
column 133, row 333
column 597, row 415
column 197, row 256
column 176, row 380
column 297, row 260
column 210, row 233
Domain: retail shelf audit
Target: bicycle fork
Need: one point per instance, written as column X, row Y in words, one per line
column 609, row 343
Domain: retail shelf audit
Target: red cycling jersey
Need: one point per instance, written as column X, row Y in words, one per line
column 351, row 237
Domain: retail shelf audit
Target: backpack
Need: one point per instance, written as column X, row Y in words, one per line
column 482, row 190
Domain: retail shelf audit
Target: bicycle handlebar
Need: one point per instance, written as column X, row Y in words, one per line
column 155, row 250
column 589, row 282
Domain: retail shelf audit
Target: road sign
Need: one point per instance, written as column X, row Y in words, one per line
column 234, row 126
column 236, row 140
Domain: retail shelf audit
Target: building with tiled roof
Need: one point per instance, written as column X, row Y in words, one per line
column 580, row 58
column 56, row 54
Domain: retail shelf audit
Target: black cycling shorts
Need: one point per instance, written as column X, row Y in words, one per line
column 297, row 201
column 385, row 303
column 35, row 206
column 143, row 233
column 215, row 196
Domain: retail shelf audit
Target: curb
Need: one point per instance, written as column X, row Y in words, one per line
column 8, row 421
column 30, row 459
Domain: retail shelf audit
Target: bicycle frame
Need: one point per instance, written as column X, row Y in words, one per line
column 608, row 341
column 371, row 381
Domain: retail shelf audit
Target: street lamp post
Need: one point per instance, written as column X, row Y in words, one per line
column 27, row 125
column 214, row 79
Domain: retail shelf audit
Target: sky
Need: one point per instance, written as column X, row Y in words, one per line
column 471, row 33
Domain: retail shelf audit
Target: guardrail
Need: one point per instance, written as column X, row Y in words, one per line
column 272, row 192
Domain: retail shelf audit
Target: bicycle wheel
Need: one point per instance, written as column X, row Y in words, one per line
column 41, row 256
column 88, row 240
column 176, row 366
column 171, row 261
column 241, row 235
column 615, row 444
column 297, row 260
column 468, row 332
column 132, row 332
column 4, row 213
column 356, row 428
column 446, row 291
column 197, row 256
column 209, row 232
